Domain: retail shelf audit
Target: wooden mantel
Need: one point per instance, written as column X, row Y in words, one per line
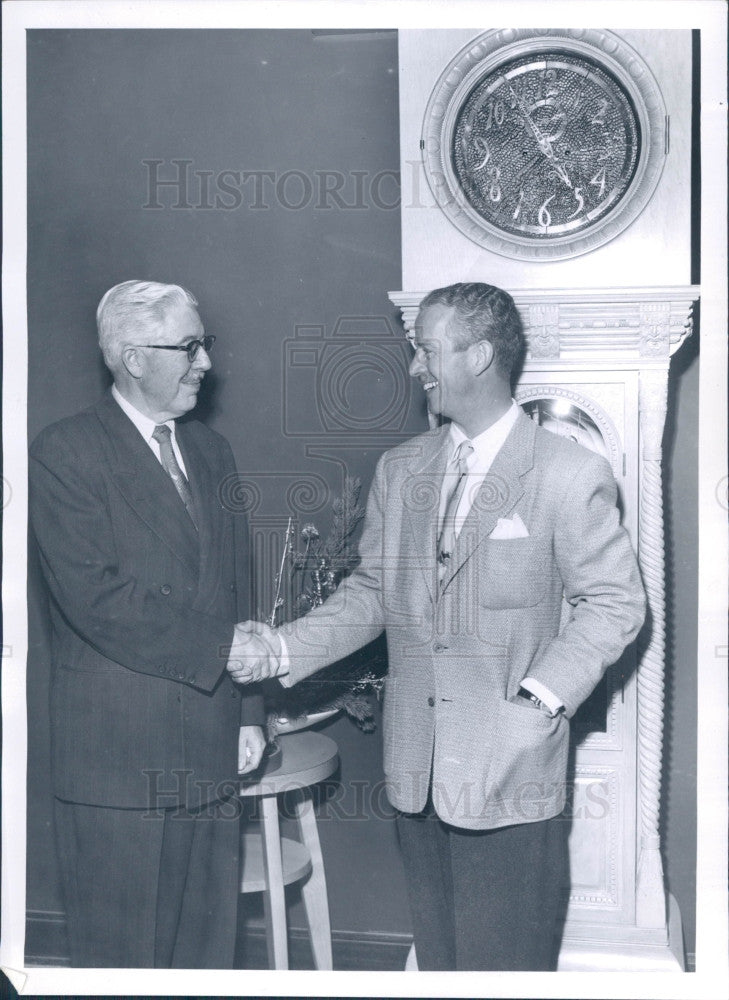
column 616, row 324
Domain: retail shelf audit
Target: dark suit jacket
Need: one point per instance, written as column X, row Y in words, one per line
column 142, row 709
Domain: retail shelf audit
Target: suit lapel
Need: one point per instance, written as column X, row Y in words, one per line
column 422, row 488
column 145, row 485
column 499, row 493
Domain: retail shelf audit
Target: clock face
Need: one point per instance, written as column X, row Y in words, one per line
column 545, row 146
column 567, row 420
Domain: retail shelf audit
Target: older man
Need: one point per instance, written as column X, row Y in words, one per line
column 148, row 574
column 474, row 534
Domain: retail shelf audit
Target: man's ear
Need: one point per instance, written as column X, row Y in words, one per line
column 133, row 360
column 483, row 356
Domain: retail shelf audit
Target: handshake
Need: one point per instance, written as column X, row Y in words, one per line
column 255, row 654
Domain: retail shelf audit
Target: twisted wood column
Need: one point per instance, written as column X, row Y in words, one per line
column 650, row 892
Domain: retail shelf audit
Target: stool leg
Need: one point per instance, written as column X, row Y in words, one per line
column 273, row 897
column 314, row 889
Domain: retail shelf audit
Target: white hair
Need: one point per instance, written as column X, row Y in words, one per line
column 130, row 305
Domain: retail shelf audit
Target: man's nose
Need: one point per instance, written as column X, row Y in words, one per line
column 202, row 360
column 416, row 366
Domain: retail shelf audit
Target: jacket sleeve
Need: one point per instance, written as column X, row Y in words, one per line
column 114, row 611
column 601, row 583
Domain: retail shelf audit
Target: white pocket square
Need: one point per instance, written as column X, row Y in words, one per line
column 509, row 527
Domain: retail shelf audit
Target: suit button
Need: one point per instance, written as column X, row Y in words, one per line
column 191, row 678
column 165, row 589
column 431, row 701
column 439, row 647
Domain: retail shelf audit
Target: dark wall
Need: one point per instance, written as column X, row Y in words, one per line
column 320, row 112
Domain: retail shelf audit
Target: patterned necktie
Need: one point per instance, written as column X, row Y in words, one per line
column 457, row 467
column 162, row 436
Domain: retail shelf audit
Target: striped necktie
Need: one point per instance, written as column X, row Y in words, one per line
column 458, row 470
column 162, row 435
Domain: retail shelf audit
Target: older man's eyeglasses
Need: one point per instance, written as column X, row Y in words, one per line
column 190, row 348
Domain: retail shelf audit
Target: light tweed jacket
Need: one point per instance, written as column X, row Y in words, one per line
column 558, row 604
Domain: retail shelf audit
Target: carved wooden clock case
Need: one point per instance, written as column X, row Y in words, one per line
column 551, row 174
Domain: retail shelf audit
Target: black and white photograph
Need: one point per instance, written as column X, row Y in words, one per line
column 365, row 499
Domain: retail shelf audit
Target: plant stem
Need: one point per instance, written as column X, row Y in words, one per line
column 279, row 576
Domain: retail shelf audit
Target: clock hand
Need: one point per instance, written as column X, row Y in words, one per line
column 562, row 173
column 559, row 167
column 543, row 142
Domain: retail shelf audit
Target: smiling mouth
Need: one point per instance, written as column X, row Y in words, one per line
column 427, row 386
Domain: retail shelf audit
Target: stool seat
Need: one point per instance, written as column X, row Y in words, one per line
column 295, row 862
column 306, row 758
column 271, row 862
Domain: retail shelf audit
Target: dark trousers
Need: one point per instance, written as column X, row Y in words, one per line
column 485, row 899
column 146, row 889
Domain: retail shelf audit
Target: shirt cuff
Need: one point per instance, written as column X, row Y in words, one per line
column 536, row 687
column 285, row 663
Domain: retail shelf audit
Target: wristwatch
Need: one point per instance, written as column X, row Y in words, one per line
column 537, row 702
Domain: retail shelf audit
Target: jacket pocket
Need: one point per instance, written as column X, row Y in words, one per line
column 512, row 573
column 530, row 762
column 99, row 668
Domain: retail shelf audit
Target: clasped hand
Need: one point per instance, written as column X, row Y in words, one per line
column 255, row 654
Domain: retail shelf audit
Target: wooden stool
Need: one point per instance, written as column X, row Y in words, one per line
column 270, row 862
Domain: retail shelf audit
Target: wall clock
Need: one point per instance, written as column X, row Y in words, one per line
column 544, row 144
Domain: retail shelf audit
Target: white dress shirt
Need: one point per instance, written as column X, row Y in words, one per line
column 486, row 447
column 146, row 427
